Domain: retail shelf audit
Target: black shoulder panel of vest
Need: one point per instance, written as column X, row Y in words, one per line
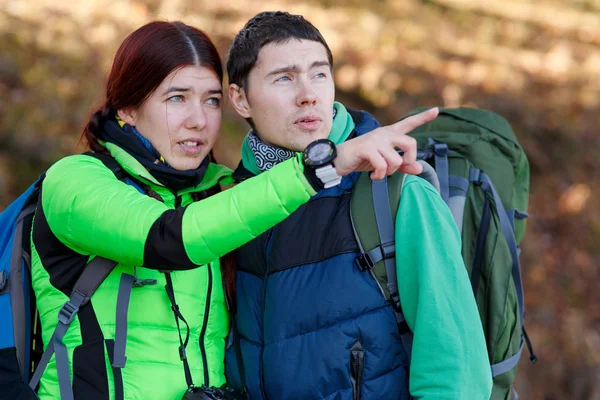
column 319, row 230
column 251, row 257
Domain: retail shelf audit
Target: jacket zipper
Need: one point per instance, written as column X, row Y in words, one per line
column 204, row 324
column 357, row 366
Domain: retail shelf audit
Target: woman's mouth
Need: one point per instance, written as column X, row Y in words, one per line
column 190, row 147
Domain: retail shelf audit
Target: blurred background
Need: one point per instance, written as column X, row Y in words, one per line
column 537, row 63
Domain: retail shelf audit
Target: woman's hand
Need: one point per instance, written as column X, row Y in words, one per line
column 377, row 150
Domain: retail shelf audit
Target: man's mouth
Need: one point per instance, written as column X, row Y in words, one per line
column 309, row 122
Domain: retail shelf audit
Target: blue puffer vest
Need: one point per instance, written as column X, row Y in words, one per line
column 311, row 324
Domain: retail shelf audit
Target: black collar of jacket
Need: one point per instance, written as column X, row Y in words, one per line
column 168, row 176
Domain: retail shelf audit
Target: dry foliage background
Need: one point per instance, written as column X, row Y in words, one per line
column 535, row 62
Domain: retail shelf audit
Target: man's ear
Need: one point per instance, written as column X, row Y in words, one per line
column 128, row 115
column 239, row 100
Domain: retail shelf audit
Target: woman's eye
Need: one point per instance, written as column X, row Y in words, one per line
column 177, row 98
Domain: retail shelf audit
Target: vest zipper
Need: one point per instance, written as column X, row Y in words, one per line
column 204, row 324
column 357, row 366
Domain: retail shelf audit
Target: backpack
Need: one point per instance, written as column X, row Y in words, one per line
column 22, row 360
column 482, row 173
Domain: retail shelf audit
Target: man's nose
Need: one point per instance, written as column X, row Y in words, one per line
column 306, row 94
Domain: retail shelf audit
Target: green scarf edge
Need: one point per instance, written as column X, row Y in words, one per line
column 342, row 127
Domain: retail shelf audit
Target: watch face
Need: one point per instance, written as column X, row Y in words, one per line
column 319, row 152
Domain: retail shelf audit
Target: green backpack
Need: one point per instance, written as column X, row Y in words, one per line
column 482, row 173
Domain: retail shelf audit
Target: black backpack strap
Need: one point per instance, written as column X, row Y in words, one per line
column 92, row 276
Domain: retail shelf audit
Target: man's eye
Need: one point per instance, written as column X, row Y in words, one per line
column 321, row 75
column 176, row 99
column 215, row 101
column 283, row 79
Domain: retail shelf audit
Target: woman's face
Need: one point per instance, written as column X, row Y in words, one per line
column 182, row 117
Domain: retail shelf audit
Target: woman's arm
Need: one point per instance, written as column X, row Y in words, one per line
column 92, row 212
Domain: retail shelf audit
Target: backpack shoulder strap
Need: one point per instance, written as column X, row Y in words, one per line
column 90, row 279
column 373, row 210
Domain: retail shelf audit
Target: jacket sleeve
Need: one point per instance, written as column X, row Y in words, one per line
column 93, row 213
column 449, row 357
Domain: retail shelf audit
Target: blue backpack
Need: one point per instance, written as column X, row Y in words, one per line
column 22, row 359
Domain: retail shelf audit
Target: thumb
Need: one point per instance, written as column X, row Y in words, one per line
column 411, row 169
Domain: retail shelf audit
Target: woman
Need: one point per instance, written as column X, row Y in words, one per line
column 162, row 221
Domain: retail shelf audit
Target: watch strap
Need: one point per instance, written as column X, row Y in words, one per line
column 328, row 175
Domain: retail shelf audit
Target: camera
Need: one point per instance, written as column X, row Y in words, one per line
column 225, row 392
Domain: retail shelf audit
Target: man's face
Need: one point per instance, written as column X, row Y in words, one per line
column 290, row 94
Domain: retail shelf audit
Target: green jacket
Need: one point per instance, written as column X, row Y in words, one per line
column 85, row 211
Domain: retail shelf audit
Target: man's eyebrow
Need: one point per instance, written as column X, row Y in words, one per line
column 295, row 68
column 287, row 68
column 215, row 91
column 176, row 89
column 317, row 64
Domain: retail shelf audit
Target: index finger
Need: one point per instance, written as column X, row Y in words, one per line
column 414, row 121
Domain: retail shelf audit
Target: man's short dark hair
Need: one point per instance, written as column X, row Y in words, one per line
column 262, row 29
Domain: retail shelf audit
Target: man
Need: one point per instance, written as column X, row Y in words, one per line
column 310, row 323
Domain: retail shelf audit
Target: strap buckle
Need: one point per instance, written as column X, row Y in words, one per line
column 395, row 300
column 475, row 176
column 67, row 313
column 364, row 262
column 440, row 149
column 388, row 250
column 137, row 283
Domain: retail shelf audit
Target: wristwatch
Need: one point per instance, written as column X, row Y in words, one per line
column 319, row 155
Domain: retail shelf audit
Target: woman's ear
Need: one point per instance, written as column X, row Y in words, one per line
column 238, row 98
column 128, row 115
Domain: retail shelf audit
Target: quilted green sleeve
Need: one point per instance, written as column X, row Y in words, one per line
column 93, row 213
